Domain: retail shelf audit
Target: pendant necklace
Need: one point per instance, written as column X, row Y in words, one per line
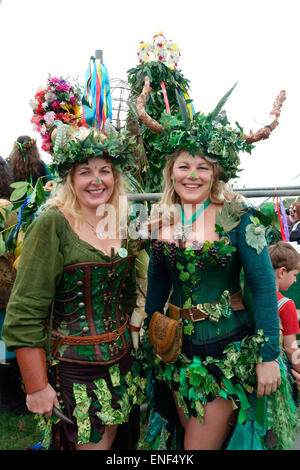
column 182, row 231
column 122, row 252
column 99, row 234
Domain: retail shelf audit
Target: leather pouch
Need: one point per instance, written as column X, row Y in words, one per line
column 165, row 335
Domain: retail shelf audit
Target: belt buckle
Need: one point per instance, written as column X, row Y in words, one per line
column 198, row 319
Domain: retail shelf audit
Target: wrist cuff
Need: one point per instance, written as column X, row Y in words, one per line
column 32, row 364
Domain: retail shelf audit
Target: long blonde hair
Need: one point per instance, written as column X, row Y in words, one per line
column 220, row 191
column 66, row 200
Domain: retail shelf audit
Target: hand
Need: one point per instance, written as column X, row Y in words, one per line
column 297, row 378
column 268, row 378
column 42, row 402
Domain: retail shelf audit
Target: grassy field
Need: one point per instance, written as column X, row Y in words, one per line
column 18, row 432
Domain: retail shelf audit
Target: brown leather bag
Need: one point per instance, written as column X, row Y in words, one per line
column 165, row 335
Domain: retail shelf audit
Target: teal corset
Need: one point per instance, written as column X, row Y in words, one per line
column 211, row 275
column 206, row 277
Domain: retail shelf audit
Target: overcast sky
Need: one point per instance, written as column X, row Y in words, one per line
column 255, row 43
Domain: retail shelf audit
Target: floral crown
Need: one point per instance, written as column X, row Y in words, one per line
column 90, row 143
column 27, row 144
column 211, row 134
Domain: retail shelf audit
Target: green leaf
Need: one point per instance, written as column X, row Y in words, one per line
column 184, row 276
column 184, row 110
column 18, row 193
column 2, row 245
column 191, row 268
column 179, row 266
column 19, row 184
column 221, row 103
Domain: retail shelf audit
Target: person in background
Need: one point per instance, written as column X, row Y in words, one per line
column 13, row 399
column 286, row 263
column 294, row 213
column 25, row 162
column 6, row 178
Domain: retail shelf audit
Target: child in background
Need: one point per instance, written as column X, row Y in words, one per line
column 286, row 263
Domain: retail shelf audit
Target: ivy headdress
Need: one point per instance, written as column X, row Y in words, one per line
column 210, row 134
column 77, row 147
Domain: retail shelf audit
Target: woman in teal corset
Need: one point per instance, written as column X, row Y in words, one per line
column 210, row 269
column 76, row 289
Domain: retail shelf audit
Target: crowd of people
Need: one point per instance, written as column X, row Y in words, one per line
column 214, row 354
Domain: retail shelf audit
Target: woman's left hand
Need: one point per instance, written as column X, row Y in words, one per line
column 268, row 378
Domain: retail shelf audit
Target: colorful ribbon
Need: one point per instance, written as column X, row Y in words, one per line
column 277, row 211
column 96, row 99
column 163, row 87
column 284, row 221
column 26, row 202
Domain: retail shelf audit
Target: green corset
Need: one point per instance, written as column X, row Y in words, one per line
column 87, row 304
column 207, row 278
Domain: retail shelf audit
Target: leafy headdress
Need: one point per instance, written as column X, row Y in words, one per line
column 210, row 134
column 77, row 147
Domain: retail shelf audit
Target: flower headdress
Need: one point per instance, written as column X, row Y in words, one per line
column 59, row 100
column 210, row 134
column 90, row 143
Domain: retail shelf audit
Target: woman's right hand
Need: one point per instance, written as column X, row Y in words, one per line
column 42, row 402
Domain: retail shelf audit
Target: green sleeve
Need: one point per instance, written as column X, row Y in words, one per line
column 158, row 288
column 39, row 271
column 260, row 277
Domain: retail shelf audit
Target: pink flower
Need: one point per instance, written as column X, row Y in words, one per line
column 55, row 105
column 49, row 117
column 62, row 87
column 54, row 80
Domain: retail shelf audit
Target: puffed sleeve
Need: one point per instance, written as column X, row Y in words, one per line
column 260, row 277
column 158, row 288
column 39, row 272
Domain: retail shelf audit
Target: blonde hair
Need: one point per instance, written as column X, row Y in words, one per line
column 66, row 200
column 219, row 192
column 283, row 254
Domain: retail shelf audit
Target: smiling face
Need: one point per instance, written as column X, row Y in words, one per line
column 93, row 182
column 192, row 178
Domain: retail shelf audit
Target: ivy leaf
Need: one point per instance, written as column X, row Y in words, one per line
column 230, row 215
column 255, row 237
column 191, row 268
column 179, row 266
column 184, row 276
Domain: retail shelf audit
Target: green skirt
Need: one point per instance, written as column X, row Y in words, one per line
column 269, row 422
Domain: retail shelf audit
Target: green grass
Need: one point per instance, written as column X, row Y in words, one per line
column 18, row 432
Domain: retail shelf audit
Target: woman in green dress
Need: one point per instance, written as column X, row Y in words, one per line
column 210, row 271
column 76, row 279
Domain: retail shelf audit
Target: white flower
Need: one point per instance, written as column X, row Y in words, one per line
column 33, row 104
column 43, row 129
column 50, row 96
column 50, row 117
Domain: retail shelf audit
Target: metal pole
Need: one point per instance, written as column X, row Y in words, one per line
column 99, row 55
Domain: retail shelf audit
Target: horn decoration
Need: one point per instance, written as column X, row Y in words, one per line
column 140, row 108
column 265, row 132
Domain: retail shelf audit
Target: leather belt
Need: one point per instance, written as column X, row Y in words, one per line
column 196, row 313
column 90, row 340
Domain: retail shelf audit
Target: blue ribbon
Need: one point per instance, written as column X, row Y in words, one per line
column 27, row 201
